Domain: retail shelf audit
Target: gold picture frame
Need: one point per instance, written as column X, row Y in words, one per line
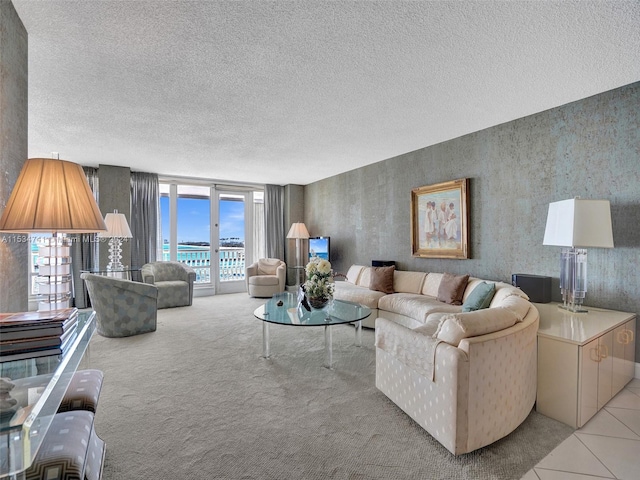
column 440, row 220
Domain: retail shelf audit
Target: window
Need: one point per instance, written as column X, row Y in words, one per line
column 189, row 241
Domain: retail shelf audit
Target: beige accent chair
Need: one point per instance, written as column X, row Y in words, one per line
column 266, row 277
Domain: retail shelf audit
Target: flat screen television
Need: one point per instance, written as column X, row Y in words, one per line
column 320, row 247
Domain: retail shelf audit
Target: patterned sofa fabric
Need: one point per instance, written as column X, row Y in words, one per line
column 174, row 281
column 123, row 308
column 468, row 396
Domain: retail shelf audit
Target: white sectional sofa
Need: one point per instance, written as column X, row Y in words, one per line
column 468, row 378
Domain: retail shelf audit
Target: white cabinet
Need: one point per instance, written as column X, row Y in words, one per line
column 584, row 359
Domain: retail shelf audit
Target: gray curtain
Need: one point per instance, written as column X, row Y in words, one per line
column 144, row 218
column 274, row 221
column 258, row 232
column 84, row 250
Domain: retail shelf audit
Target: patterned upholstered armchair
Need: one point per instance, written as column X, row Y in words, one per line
column 123, row 308
column 174, row 281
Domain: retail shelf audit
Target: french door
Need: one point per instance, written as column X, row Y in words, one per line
column 215, row 230
column 233, row 244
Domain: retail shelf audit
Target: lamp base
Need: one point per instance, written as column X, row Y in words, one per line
column 115, row 255
column 54, row 273
column 573, row 309
column 573, row 279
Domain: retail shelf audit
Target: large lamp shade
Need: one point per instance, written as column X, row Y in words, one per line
column 298, row 230
column 51, row 196
column 117, row 226
column 579, row 223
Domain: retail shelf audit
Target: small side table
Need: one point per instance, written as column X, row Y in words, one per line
column 584, row 360
column 125, row 273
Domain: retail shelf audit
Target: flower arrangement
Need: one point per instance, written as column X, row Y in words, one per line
column 318, row 283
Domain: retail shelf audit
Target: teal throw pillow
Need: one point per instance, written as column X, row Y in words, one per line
column 480, row 297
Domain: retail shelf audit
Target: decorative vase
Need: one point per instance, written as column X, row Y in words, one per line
column 318, row 302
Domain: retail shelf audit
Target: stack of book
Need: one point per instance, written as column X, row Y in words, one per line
column 37, row 334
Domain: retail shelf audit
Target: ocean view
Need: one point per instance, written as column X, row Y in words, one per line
column 231, row 261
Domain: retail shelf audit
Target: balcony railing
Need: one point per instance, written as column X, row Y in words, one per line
column 231, row 262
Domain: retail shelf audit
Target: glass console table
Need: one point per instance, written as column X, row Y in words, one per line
column 21, row 434
column 284, row 309
column 125, row 273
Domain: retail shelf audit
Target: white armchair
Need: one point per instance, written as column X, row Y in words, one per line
column 266, row 277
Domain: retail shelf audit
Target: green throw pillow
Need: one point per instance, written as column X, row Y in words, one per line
column 480, row 297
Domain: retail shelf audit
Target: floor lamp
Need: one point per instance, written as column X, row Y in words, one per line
column 576, row 224
column 52, row 196
column 299, row 232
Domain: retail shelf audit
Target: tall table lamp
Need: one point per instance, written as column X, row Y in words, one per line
column 298, row 231
column 117, row 229
column 576, row 225
column 52, row 196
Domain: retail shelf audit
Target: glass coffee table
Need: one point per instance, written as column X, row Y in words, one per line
column 284, row 309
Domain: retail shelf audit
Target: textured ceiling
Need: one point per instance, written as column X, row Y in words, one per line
column 293, row 92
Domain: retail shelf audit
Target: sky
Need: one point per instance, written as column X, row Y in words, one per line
column 194, row 219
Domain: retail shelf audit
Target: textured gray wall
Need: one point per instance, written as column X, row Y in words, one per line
column 114, row 187
column 14, row 267
column 589, row 148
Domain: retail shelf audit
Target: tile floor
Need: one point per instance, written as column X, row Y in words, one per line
column 608, row 446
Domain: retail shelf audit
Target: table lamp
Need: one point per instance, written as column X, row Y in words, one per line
column 576, row 224
column 52, row 196
column 117, row 229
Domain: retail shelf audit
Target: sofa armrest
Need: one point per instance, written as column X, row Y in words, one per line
column 142, row 289
column 147, row 274
column 281, row 273
column 189, row 274
column 503, row 379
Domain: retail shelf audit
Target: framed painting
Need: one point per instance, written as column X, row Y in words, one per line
column 440, row 220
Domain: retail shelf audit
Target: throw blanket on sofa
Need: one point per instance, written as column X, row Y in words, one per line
column 395, row 338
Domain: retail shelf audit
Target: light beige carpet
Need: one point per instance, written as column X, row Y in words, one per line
column 195, row 400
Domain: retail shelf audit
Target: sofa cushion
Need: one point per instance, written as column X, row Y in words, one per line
column 354, row 273
column 451, row 288
column 263, row 280
column 455, row 327
column 408, row 282
column 353, row 293
column 431, row 284
column 365, row 277
column 480, row 297
column 268, row 266
column 382, row 279
column 414, row 306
